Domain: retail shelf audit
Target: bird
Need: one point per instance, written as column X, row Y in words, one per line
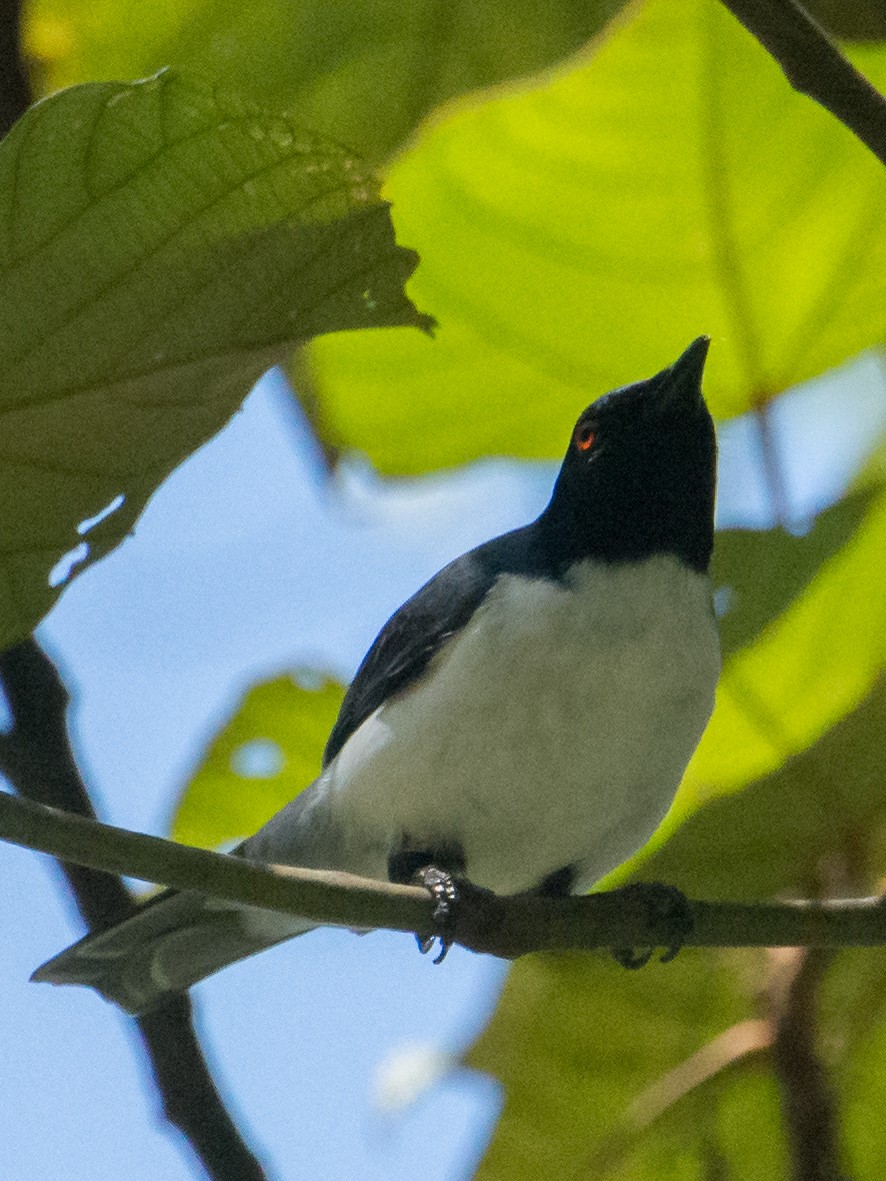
column 522, row 722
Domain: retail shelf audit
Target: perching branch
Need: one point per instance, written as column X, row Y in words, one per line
column 815, row 67
column 505, row 927
column 37, row 759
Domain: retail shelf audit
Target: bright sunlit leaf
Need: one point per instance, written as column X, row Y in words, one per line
column 578, row 235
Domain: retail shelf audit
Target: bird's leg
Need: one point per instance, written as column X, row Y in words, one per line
column 438, row 870
column 442, row 887
column 667, row 913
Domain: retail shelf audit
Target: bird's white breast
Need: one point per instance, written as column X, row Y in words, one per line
column 552, row 731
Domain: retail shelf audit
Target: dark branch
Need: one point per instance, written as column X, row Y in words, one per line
column 37, row 759
column 807, row 1099
column 15, row 89
column 815, row 67
column 191, row 1101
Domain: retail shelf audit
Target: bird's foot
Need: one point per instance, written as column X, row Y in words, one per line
column 668, row 915
column 442, row 887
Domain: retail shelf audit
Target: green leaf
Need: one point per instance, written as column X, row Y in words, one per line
column 362, row 71
column 577, row 234
column 758, row 574
column 807, row 669
column 585, row 1052
column 161, row 245
column 268, row 750
column 774, row 837
column 855, row 1010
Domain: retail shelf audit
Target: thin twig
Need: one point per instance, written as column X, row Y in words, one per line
column 815, row 67
column 735, row 1046
column 37, row 759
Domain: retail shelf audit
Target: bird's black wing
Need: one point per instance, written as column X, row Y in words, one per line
column 413, row 635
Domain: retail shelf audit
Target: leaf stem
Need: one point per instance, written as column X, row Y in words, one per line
column 773, row 471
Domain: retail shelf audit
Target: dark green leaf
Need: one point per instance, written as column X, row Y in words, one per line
column 161, row 245
column 362, row 71
column 758, row 574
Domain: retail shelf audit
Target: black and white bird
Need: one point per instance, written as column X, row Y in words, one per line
column 524, row 720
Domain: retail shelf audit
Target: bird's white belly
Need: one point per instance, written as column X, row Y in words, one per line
column 553, row 731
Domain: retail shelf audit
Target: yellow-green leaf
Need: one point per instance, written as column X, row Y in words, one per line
column 807, row 669
column 576, row 235
column 268, row 750
column 824, row 805
column 756, row 575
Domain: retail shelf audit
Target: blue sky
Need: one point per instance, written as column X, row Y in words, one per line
column 247, row 562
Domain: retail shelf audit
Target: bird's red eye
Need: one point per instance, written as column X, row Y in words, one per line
column 584, row 437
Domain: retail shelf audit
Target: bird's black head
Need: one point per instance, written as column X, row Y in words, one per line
column 639, row 476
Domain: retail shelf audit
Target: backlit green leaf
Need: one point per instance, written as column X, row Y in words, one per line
column 263, row 756
column 775, row 836
column 578, row 234
column 757, row 574
column 815, row 663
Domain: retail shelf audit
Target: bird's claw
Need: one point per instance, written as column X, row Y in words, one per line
column 443, row 889
column 667, row 909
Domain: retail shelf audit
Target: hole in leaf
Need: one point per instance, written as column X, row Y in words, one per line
column 725, row 600
column 7, row 721
column 259, row 759
column 67, row 564
column 311, row 679
column 111, row 507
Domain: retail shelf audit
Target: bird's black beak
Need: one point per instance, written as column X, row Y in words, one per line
column 680, row 384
